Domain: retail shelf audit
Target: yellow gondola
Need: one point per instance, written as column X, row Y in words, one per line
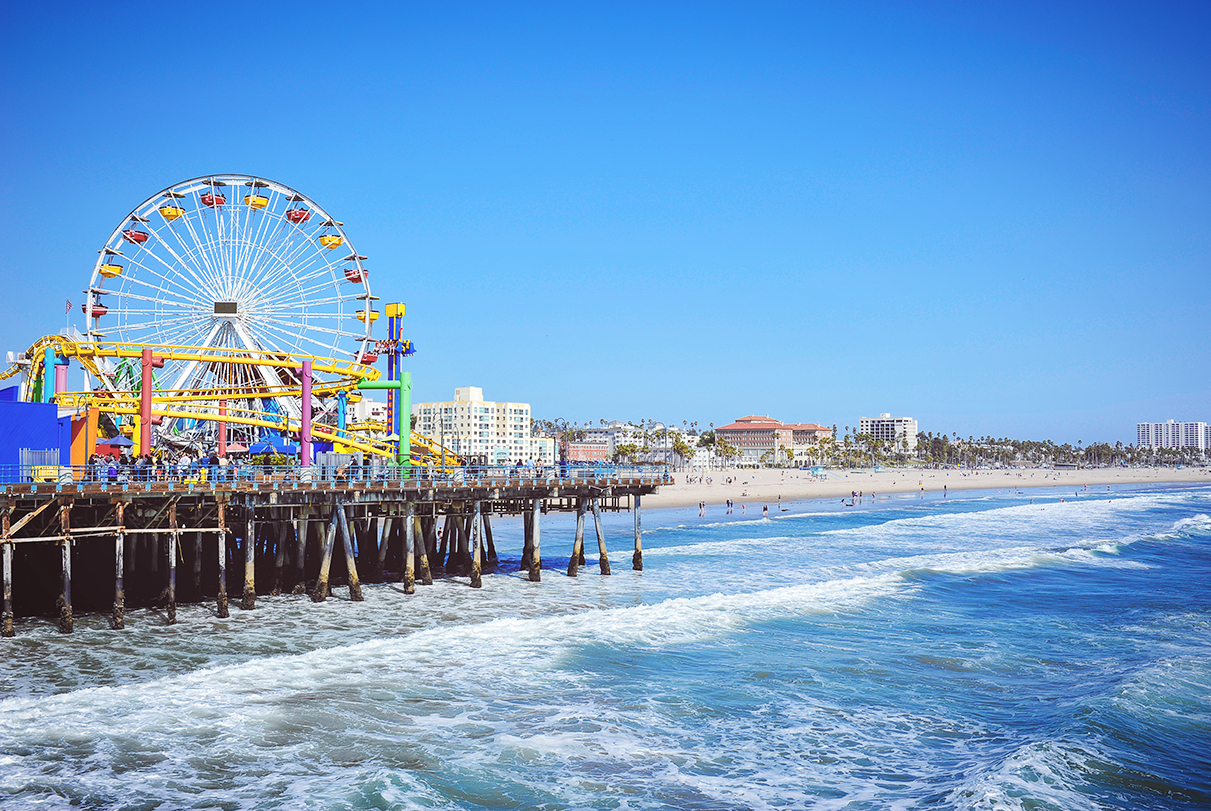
column 110, row 271
column 363, row 315
column 331, row 241
column 256, row 200
column 170, row 213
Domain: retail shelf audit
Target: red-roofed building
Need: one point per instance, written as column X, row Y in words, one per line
column 754, row 436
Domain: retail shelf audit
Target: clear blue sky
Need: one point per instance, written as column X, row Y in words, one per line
column 993, row 219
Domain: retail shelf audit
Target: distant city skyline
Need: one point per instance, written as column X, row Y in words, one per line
column 976, row 215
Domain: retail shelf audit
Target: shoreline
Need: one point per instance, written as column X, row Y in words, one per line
column 765, row 486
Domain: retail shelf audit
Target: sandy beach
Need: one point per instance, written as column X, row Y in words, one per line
column 757, row 487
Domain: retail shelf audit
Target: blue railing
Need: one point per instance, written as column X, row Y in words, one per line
column 204, row 475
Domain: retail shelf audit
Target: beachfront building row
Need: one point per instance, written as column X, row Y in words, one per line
column 601, row 443
column 761, row 438
column 900, row 431
column 1173, row 434
column 484, row 431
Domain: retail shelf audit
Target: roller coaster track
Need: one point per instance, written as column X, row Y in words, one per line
column 224, row 405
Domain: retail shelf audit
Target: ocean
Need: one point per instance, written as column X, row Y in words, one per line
column 988, row 650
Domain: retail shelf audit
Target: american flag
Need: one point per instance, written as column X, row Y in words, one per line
column 68, row 310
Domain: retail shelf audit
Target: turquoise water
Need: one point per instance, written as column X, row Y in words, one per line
column 982, row 652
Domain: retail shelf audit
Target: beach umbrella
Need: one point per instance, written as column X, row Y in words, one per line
column 117, row 442
column 262, row 447
column 236, row 447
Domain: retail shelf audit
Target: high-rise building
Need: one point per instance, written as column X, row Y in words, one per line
column 483, row 431
column 1173, row 434
column 902, row 431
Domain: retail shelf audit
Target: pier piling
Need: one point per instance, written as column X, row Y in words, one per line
column 172, row 563
column 578, row 540
column 637, row 558
column 248, row 602
column 117, row 620
column 221, row 600
column 476, row 542
column 6, row 621
column 601, row 545
column 327, row 536
column 427, row 542
column 300, row 535
column 355, row 585
column 410, row 549
column 65, row 617
column 535, row 545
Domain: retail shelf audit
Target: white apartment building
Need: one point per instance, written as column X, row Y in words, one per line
column 367, row 410
column 484, row 431
column 900, row 430
column 1173, row 434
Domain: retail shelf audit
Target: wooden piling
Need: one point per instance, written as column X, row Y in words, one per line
column 535, row 542
column 428, row 540
column 6, row 621
column 410, row 549
column 221, row 600
column 601, row 545
column 248, row 602
column 527, row 543
column 355, row 586
column 578, row 542
column 65, row 617
column 197, row 565
column 637, row 558
column 476, row 543
column 381, row 528
column 326, row 539
column 444, row 540
column 280, row 558
column 172, row 563
column 489, row 546
column 300, row 534
column 117, row 620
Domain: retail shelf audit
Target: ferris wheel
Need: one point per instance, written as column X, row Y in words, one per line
column 230, row 262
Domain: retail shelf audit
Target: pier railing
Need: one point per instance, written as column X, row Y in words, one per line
column 107, row 476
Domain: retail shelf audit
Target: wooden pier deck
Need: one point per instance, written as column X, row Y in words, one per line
column 161, row 542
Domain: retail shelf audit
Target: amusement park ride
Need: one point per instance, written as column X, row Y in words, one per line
column 230, row 308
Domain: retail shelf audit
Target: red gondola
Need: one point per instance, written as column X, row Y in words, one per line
column 99, row 309
column 134, row 235
column 367, row 358
column 356, row 275
column 213, row 199
column 298, row 216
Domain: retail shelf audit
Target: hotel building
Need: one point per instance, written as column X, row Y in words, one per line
column 484, row 431
column 754, row 436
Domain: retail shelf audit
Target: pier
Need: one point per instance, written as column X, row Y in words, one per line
column 101, row 546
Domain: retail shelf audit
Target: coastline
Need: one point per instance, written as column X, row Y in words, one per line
column 764, row 486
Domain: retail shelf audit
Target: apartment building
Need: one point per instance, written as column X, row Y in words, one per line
column 1173, row 434
column 902, row 431
column 485, row 431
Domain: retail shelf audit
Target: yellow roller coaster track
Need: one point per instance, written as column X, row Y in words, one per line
column 205, row 404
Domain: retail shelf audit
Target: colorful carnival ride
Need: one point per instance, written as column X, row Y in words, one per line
column 230, row 309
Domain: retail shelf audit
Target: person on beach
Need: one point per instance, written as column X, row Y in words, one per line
column 765, row 511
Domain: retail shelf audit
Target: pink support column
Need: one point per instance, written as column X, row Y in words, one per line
column 61, row 377
column 222, row 442
column 150, row 362
column 305, row 433
column 145, row 404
